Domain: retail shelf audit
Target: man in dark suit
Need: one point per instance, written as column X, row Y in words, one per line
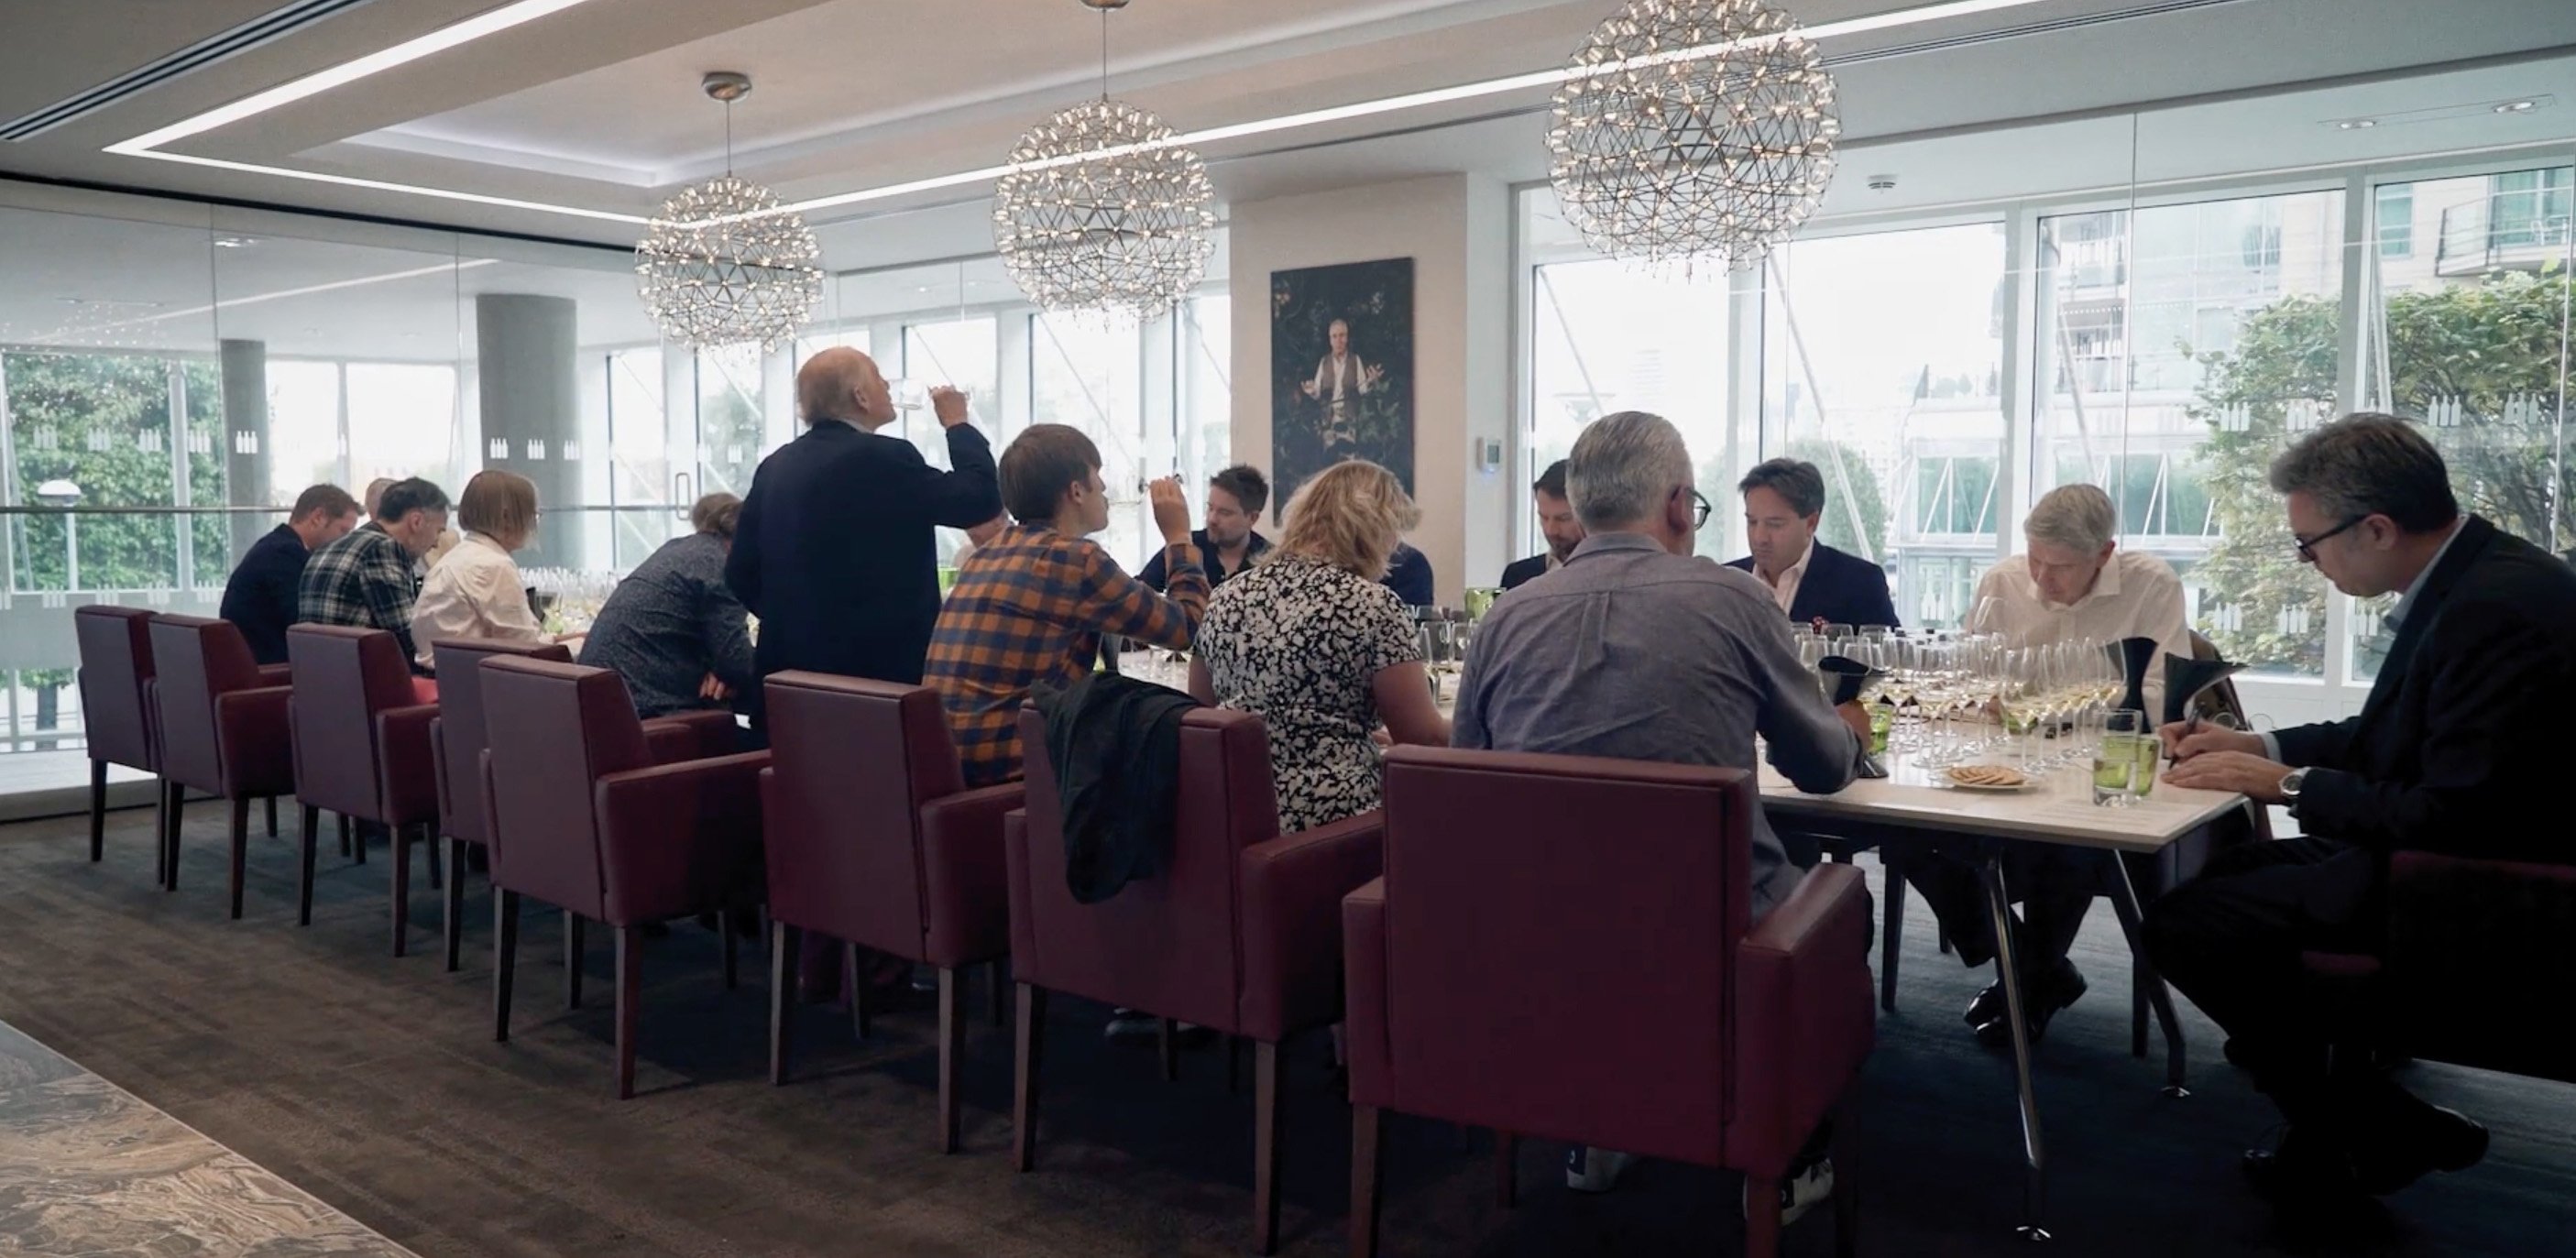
column 1784, row 504
column 2457, row 750
column 260, row 596
column 1408, row 573
column 834, row 551
column 1556, row 523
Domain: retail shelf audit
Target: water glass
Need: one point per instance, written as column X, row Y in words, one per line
column 2124, row 763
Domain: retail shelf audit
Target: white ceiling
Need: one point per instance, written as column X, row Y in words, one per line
column 598, row 106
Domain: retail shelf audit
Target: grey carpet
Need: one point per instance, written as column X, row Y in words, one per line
column 374, row 1084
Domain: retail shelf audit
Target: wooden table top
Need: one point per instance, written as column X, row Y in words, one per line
column 2059, row 809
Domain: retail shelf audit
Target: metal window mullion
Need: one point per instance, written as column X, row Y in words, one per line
column 2350, row 362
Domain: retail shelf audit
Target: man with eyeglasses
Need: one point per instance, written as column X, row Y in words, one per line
column 1638, row 650
column 2458, row 749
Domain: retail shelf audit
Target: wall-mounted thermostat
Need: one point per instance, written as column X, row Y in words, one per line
column 1489, row 454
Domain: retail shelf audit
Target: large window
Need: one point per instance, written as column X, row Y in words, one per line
column 1882, row 365
column 2181, row 347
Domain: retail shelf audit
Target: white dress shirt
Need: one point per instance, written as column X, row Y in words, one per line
column 475, row 592
column 2136, row 596
column 1785, row 590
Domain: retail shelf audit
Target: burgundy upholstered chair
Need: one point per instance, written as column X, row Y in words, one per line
column 457, row 742
column 579, row 815
column 1239, row 933
column 1675, row 1030
column 362, row 750
column 2478, row 970
column 223, row 730
column 117, row 716
column 874, row 840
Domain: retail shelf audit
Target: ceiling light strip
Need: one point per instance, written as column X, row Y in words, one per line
column 382, row 185
column 230, row 303
column 347, row 72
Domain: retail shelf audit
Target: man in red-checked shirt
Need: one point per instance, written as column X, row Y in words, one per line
column 1031, row 605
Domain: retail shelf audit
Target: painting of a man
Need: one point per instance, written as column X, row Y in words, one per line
column 1341, row 353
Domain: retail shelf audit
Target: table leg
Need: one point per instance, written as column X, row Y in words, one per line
column 2124, row 901
column 2008, row 972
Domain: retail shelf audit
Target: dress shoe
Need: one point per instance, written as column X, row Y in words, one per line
column 2301, row 1173
column 1988, row 1006
column 2414, row 1138
column 2042, row 995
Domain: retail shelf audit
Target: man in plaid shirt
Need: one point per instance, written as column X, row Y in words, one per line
column 364, row 579
column 1031, row 605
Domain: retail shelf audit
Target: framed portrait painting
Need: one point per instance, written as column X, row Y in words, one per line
column 1341, row 370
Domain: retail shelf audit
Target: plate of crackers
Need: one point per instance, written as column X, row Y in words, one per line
column 1986, row 777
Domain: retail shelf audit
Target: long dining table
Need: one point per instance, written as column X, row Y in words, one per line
column 1916, row 803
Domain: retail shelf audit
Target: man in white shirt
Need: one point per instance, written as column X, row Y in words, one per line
column 1340, row 380
column 2071, row 582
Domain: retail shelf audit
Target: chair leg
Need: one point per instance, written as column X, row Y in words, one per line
column 1265, row 1147
column 97, row 811
column 1761, row 1217
column 241, row 849
column 2137, row 1007
column 174, row 820
column 1846, row 1181
column 1941, row 940
column 304, row 878
column 1367, row 1141
column 732, row 952
column 630, row 991
column 1000, row 988
column 348, row 838
column 1030, row 1045
column 784, row 942
column 573, row 944
column 429, row 844
column 1891, row 934
column 402, row 887
column 858, row 980
column 271, row 801
column 1170, row 1044
column 1507, row 1167
column 451, row 924
column 505, row 958
column 952, row 1047
column 160, row 831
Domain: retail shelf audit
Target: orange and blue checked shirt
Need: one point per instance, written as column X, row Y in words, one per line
column 1031, row 607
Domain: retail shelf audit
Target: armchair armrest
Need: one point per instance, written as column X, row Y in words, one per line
column 1364, row 1024
column 276, row 674
column 254, row 741
column 1803, row 1020
column 1291, row 928
column 1015, row 875
column 689, row 736
column 2477, row 962
column 679, row 838
column 965, row 898
column 447, row 801
column 406, row 764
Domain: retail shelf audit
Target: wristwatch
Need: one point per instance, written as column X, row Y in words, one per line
column 2290, row 784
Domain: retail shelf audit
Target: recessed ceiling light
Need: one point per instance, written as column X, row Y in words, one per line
column 234, row 242
column 2356, row 124
column 2517, row 106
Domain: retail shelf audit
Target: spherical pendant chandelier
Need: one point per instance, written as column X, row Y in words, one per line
column 1101, row 213
column 722, row 264
column 1691, row 132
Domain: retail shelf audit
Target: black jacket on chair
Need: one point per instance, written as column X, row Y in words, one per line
column 1839, row 588
column 1115, row 743
column 835, row 550
column 2461, row 739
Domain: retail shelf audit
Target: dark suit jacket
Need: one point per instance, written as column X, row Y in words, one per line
column 1408, row 573
column 835, row 552
column 2459, row 747
column 260, row 595
column 1840, row 588
column 1521, row 570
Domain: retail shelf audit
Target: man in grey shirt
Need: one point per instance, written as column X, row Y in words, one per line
column 1636, row 649
column 1639, row 650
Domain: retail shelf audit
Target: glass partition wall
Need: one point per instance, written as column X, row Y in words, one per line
column 173, row 375
column 2163, row 338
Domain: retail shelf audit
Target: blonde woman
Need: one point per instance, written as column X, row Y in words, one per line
column 476, row 592
column 1308, row 640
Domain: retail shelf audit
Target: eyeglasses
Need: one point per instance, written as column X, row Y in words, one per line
column 2308, row 545
column 1699, row 511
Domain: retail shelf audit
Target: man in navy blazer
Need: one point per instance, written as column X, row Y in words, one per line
column 1784, row 503
column 1556, row 523
column 834, row 551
